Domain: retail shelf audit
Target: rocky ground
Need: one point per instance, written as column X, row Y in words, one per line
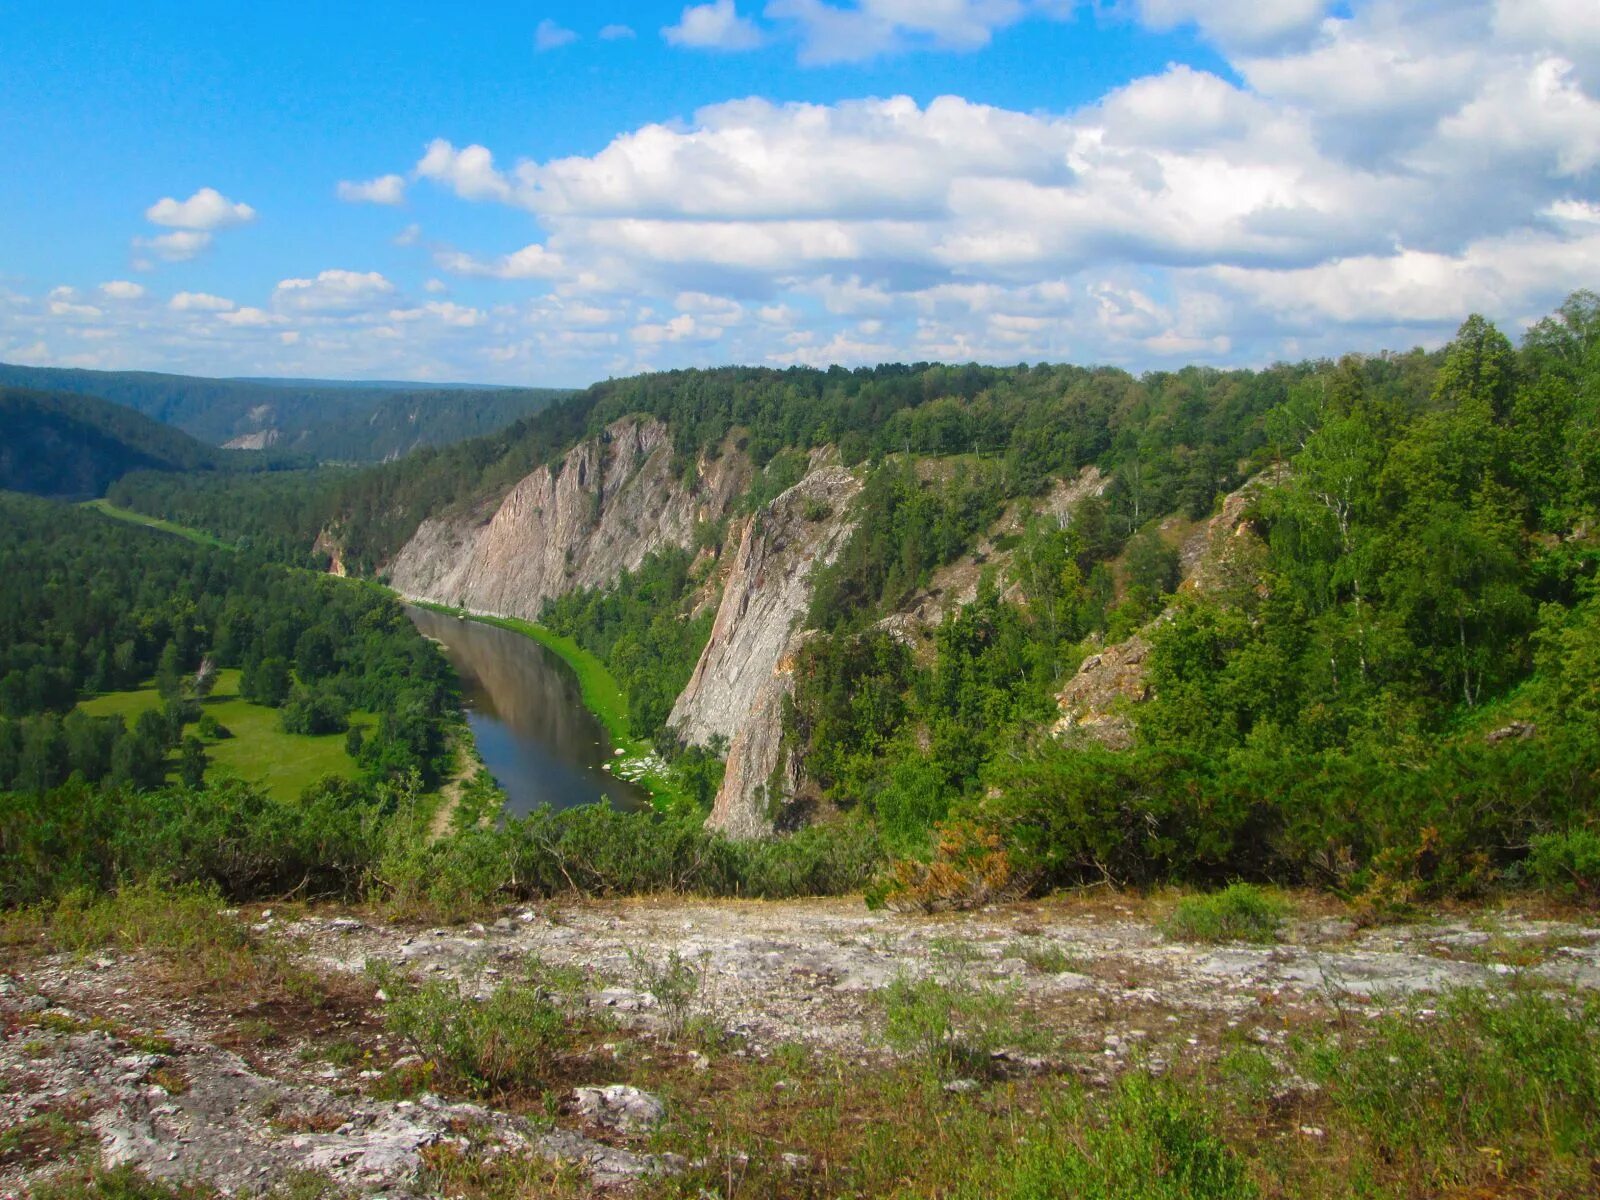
column 247, row 1091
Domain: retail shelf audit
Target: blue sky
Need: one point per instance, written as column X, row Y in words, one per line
column 553, row 193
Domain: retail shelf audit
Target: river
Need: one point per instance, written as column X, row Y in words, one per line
column 527, row 715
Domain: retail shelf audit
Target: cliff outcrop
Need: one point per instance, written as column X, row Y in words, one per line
column 609, row 503
column 1220, row 555
column 739, row 684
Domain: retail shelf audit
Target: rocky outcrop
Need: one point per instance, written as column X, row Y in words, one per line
column 609, row 503
column 1218, row 557
column 329, row 545
column 739, row 684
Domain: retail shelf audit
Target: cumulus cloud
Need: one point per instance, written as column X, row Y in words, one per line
column 617, row 33
column 385, row 189
column 469, row 172
column 833, row 33
column 1238, row 22
column 251, row 318
column 531, row 262
column 208, row 210
column 179, row 246
column 551, row 36
column 199, row 302
column 714, row 26
column 332, row 291
column 1358, row 176
column 122, row 289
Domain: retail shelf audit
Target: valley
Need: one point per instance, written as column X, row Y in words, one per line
column 759, row 783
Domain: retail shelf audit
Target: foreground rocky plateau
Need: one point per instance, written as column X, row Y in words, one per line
column 246, row 1090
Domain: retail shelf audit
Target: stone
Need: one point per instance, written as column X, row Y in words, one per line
column 619, row 1106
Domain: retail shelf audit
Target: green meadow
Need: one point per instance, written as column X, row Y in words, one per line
column 259, row 750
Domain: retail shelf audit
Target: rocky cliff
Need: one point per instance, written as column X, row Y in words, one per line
column 599, row 512
column 739, row 684
column 1222, row 554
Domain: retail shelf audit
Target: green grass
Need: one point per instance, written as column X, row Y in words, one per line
column 602, row 695
column 259, row 750
column 106, row 508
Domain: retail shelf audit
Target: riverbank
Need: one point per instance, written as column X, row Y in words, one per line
column 639, row 763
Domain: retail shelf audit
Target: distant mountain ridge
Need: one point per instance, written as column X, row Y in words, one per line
column 342, row 421
column 74, row 447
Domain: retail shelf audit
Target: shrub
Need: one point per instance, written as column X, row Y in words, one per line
column 675, row 983
column 1240, row 912
column 971, row 867
column 508, row 1041
column 946, row 1025
column 1568, row 863
column 212, row 729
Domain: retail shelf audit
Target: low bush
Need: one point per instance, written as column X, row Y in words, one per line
column 1567, row 863
column 947, row 1026
column 508, row 1041
column 1240, row 912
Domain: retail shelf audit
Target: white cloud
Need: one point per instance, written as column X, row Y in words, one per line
column 1238, row 22
column 200, row 302
column 180, row 246
column 456, row 315
column 831, row 33
column 615, row 33
column 76, row 312
column 551, row 36
column 207, row 209
column 469, row 172
column 1349, row 178
column 332, row 291
column 122, row 289
column 385, row 189
column 251, row 318
column 714, row 26
column 531, row 262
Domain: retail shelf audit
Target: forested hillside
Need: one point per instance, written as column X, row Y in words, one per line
column 54, row 444
column 324, row 420
column 1377, row 674
column 91, row 606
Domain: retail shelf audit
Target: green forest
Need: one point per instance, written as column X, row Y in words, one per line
column 90, row 606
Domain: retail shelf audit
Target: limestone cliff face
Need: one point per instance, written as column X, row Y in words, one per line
column 739, row 685
column 610, row 502
column 1221, row 555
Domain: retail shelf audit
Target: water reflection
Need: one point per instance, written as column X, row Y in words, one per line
column 527, row 714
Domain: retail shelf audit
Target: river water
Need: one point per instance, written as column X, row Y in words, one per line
column 527, row 715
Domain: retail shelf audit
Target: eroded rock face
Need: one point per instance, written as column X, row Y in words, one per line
column 739, row 684
column 610, row 503
column 1221, row 555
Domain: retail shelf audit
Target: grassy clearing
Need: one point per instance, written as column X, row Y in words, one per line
column 1240, row 912
column 259, row 751
column 106, row 508
column 602, row 696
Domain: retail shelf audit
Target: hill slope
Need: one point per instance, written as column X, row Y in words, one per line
column 328, row 420
column 77, row 446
